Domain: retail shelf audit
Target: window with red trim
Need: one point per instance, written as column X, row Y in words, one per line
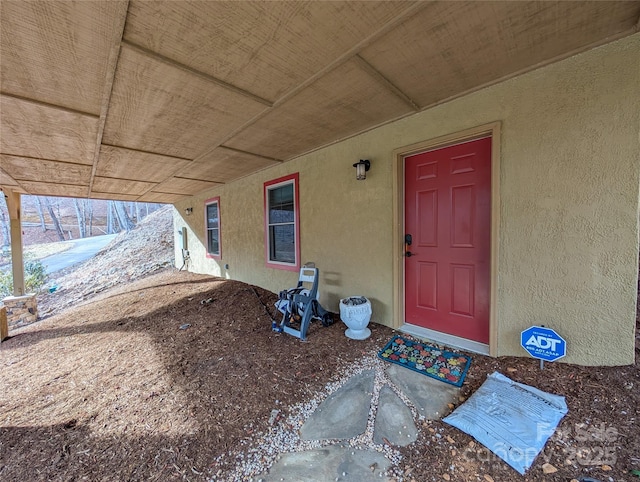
column 282, row 223
column 212, row 223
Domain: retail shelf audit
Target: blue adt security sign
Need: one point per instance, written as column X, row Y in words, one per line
column 543, row 343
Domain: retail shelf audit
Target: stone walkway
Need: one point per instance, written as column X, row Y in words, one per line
column 379, row 413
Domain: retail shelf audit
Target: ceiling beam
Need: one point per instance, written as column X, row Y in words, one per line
column 112, row 64
column 386, row 83
column 240, row 151
column 8, row 182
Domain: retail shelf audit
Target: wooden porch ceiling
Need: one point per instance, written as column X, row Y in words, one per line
column 154, row 101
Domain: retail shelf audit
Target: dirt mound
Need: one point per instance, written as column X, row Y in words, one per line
column 131, row 255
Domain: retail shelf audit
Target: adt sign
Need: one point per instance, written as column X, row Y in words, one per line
column 543, row 343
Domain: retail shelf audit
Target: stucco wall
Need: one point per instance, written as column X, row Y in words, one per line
column 569, row 197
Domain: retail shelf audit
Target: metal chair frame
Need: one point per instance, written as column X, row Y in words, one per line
column 300, row 305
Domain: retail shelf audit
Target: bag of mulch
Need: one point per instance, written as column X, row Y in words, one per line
column 511, row 419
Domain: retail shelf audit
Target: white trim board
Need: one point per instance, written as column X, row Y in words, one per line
column 445, row 339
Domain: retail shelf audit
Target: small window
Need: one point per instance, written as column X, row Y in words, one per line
column 212, row 221
column 282, row 218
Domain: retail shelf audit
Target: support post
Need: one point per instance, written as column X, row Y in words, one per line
column 17, row 261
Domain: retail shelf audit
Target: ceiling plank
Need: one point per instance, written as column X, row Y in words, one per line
column 224, row 165
column 54, row 189
column 56, row 52
column 110, row 196
column 160, row 197
column 121, row 186
column 179, row 185
column 161, row 108
column 114, row 53
column 32, row 129
column 118, row 162
column 42, row 170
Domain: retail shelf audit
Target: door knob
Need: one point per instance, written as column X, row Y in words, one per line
column 408, row 254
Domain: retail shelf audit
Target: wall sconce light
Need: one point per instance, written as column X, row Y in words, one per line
column 188, row 211
column 362, row 167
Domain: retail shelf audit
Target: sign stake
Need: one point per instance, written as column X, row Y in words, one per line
column 541, row 360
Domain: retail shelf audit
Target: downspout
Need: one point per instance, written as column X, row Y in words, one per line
column 17, row 261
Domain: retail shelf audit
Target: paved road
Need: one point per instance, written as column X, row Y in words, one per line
column 82, row 250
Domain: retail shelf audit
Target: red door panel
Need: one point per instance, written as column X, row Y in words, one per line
column 448, row 214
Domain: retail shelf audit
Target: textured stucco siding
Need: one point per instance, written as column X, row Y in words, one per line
column 569, row 197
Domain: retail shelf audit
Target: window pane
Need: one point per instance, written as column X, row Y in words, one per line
column 282, row 243
column 281, row 204
column 212, row 215
column 213, row 241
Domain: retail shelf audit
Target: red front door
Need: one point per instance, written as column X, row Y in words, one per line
column 448, row 217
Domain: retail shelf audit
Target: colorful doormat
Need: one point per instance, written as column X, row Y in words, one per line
column 442, row 365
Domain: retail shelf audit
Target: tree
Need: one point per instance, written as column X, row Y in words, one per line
column 54, row 218
column 90, row 214
column 40, row 214
column 4, row 222
column 80, row 205
column 110, row 227
column 123, row 217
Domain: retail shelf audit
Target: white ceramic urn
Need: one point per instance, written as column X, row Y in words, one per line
column 355, row 312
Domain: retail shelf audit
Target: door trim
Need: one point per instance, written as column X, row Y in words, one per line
column 493, row 129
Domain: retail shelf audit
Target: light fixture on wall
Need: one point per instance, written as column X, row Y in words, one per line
column 188, row 211
column 362, row 167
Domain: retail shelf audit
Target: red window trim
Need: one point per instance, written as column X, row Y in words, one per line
column 206, row 229
column 296, row 199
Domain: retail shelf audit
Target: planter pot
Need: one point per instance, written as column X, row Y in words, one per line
column 355, row 312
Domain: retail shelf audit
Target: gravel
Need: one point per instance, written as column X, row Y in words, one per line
column 262, row 451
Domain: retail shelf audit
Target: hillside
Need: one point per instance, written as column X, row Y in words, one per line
column 146, row 249
column 95, row 214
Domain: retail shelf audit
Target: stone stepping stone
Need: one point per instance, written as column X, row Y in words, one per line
column 329, row 464
column 344, row 414
column 431, row 397
column 394, row 421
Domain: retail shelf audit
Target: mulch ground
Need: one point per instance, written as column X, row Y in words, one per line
column 114, row 389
